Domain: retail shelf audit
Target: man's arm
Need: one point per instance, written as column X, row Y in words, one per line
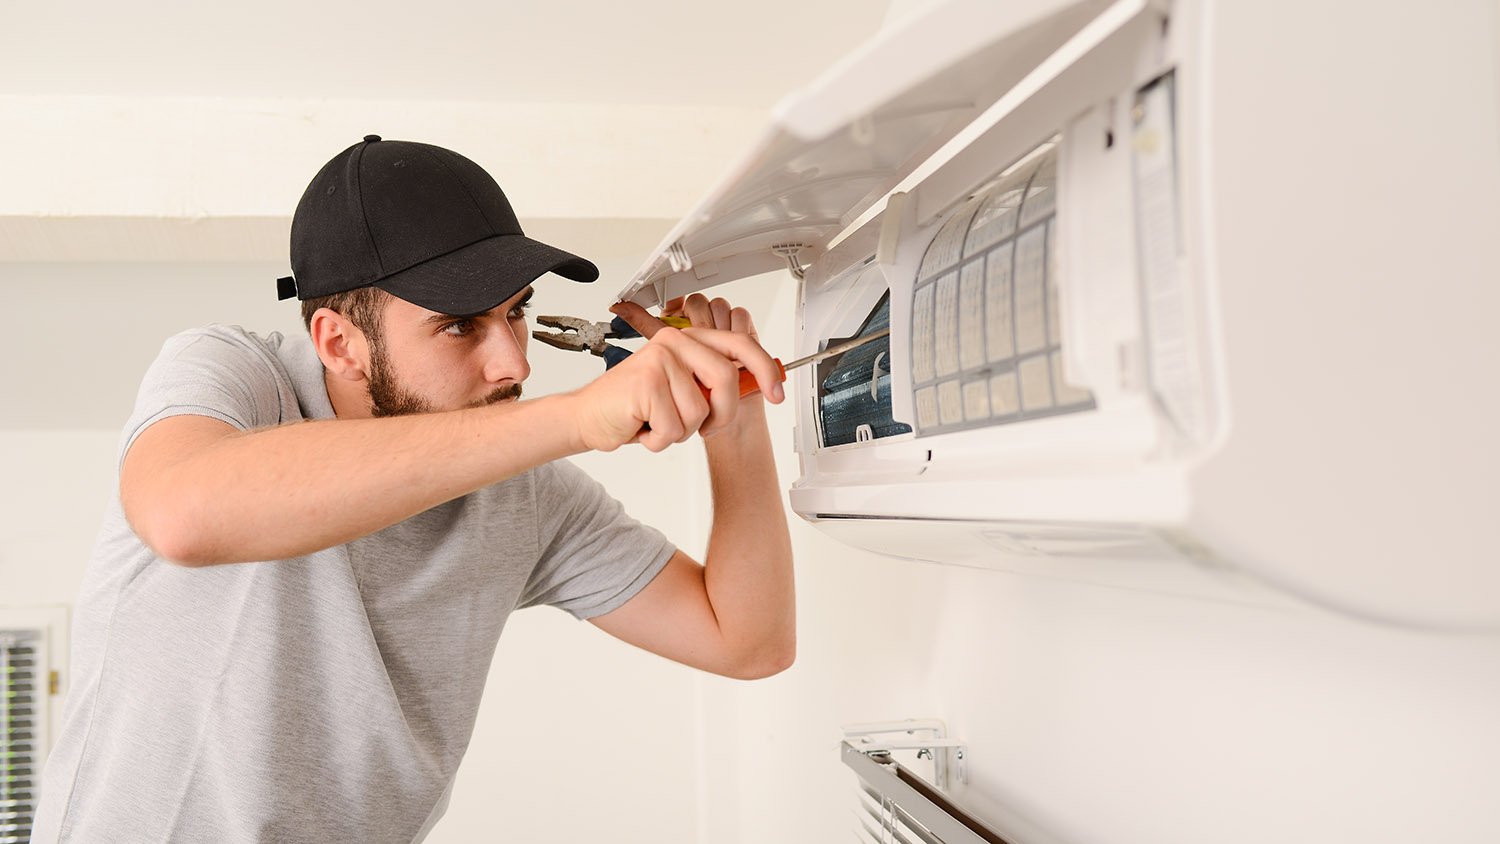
column 199, row 491
column 736, row 615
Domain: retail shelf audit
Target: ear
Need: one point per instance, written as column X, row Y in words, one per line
column 340, row 345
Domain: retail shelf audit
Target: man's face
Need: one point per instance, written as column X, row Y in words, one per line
column 426, row 361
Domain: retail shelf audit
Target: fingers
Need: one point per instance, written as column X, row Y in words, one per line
column 743, row 349
column 703, row 312
column 662, row 425
column 721, row 314
column 668, row 378
column 697, row 308
column 717, row 314
column 674, row 406
column 740, row 322
column 638, row 317
column 704, row 370
column 690, row 407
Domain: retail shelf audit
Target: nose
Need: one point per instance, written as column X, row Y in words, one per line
column 505, row 354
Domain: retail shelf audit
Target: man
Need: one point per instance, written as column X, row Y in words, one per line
column 388, row 500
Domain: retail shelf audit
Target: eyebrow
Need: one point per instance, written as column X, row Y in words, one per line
column 437, row 319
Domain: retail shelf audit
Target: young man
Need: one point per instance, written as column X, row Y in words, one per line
column 387, row 500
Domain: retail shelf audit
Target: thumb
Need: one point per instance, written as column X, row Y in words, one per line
column 638, row 318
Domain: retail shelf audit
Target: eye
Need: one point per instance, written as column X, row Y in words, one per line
column 519, row 311
column 458, row 328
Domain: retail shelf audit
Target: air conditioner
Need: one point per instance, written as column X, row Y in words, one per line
column 1185, row 281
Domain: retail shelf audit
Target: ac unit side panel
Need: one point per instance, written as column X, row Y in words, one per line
column 1356, row 273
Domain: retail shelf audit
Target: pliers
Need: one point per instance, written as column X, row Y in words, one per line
column 578, row 335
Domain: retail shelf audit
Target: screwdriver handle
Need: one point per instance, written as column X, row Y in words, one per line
column 749, row 385
column 623, row 330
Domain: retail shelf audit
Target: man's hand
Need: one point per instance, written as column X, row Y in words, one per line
column 662, row 385
column 737, row 614
column 718, row 314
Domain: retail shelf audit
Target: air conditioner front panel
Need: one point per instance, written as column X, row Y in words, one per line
column 839, row 146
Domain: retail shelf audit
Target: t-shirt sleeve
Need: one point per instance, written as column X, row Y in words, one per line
column 594, row 557
column 212, row 372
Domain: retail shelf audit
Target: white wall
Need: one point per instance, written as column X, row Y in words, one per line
column 1106, row 714
column 1103, row 715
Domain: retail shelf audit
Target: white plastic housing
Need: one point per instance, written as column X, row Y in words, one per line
column 1274, row 275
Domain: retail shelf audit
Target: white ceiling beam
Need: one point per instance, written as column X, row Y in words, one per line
column 179, row 178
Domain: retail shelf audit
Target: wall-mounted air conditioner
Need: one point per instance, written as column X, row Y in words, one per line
column 1192, row 280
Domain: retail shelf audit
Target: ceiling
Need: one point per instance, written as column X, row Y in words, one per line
column 663, row 52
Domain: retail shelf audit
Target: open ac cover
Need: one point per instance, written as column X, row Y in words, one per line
column 1018, row 191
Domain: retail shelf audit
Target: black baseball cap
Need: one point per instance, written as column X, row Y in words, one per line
column 417, row 221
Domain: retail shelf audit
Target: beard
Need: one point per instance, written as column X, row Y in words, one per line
column 388, row 398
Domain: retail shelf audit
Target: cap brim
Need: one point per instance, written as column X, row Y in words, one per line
column 483, row 274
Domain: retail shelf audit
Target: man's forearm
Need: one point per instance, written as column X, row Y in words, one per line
column 288, row 491
column 748, row 568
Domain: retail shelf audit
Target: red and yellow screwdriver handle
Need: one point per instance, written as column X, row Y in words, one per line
column 748, row 384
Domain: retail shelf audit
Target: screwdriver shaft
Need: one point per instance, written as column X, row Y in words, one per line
column 748, row 384
column 840, row 348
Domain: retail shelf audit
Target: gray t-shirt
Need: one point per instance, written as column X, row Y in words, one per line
column 321, row 699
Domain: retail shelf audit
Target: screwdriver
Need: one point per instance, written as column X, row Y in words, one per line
column 575, row 334
column 749, row 385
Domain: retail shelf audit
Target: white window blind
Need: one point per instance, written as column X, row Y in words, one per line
column 29, row 680
column 21, row 700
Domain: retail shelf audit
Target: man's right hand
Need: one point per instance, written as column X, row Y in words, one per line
column 653, row 397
